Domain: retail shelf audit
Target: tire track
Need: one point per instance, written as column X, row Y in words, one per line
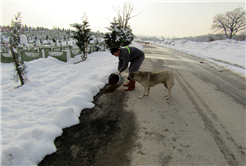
column 201, row 108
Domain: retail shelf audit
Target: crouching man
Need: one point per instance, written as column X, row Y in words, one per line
column 126, row 55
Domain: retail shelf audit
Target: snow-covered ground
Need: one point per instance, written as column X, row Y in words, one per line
column 221, row 54
column 35, row 114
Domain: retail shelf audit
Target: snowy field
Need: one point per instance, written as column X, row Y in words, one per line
column 35, row 114
column 221, row 54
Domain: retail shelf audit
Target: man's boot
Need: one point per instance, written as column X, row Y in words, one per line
column 131, row 86
column 128, row 84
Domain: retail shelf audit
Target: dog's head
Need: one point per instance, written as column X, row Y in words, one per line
column 130, row 76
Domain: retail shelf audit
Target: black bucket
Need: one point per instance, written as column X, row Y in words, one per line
column 115, row 79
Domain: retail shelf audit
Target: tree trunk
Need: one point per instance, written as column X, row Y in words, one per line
column 86, row 48
column 231, row 33
column 17, row 65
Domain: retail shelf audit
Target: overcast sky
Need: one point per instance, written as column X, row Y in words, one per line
column 157, row 18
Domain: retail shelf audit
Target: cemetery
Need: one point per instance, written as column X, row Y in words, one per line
column 62, row 52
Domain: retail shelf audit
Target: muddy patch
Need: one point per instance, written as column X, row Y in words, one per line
column 105, row 135
column 110, row 88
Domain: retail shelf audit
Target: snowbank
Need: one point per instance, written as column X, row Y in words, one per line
column 35, row 114
column 227, row 54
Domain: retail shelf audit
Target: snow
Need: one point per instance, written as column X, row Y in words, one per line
column 35, row 114
column 220, row 54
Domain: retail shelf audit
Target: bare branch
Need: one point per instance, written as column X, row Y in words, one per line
column 125, row 13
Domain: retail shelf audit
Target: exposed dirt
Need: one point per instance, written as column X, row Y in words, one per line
column 104, row 136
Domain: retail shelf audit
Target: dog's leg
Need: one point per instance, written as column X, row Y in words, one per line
column 169, row 87
column 141, row 96
column 147, row 92
column 165, row 84
column 169, row 94
column 144, row 92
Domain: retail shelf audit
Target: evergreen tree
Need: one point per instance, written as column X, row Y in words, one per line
column 113, row 39
column 127, row 36
column 15, row 49
column 118, row 35
column 82, row 35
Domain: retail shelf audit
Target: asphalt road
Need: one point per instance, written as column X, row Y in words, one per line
column 202, row 124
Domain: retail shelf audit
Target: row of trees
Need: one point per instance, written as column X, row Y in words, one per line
column 36, row 29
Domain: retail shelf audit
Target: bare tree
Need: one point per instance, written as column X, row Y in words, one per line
column 125, row 13
column 230, row 23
